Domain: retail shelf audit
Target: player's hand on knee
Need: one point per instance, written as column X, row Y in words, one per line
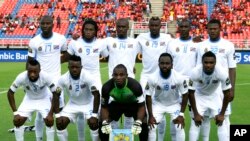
column 136, row 127
column 93, row 123
column 219, row 119
column 49, row 120
column 59, row 123
column 106, row 127
column 198, row 119
column 179, row 121
column 19, row 120
column 151, row 122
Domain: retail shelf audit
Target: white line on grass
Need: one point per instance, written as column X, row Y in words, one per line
column 242, row 84
column 3, row 92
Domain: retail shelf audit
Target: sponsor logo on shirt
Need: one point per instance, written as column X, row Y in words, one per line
column 114, row 45
column 222, row 51
column 40, row 48
column 130, row 45
column 162, row 43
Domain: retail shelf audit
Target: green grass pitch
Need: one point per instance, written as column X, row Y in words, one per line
column 8, row 72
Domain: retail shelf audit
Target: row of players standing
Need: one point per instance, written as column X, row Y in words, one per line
column 48, row 46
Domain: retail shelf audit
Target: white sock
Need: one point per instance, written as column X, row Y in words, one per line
column 50, row 133
column 172, row 131
column 222, row 132
column 205, row 128
column 152, row 134
column 80, row 127
column 94, row 135
column 39, row 124
column 180, row 133
column 128, row 121
column 194, row 132
column 115, row 124
column 161, row 129
column 19, row 132
column 227, row 124
column 62, row 135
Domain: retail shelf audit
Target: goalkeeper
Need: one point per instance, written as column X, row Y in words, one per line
column 122, row 95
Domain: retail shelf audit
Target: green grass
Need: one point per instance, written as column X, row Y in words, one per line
column 9, row 71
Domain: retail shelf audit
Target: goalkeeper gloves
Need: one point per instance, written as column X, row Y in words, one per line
column 136, row 128
column 106, row 127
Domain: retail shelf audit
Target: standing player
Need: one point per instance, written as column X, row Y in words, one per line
column 37, row 86
column 122, row 50
column 47, row 48
column 151, row 45
column 84, row 99
column 89, row 48
column 165, row 86
column 204, row 96
column 122, row 95
column 224, row 51
column 183, row 50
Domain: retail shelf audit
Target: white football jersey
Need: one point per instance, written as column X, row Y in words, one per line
column 89, row 53
column 122, row 51
column 151, row 49
column 223, row 49
column 184, row 55
column 79, row 91
column 166, row 91
column 34, row 90
column 48, row 52
column 207, row 85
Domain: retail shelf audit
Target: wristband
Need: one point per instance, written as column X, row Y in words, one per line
column 181, row 114
column 15, row 113
column 94, row 115
column 57, row 115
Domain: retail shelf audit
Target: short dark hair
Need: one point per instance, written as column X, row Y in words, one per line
column 92, row 22
column 75, row 58
column 121, row 66
column 214, row 21
column 208, row 54
column 154, row 18
column 46, row 17
column 166, row 55
column 33, row 62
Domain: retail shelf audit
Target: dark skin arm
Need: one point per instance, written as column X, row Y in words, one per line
column 220, row 117
column 93, row 121
column 197, row 117
column 141, row 111
column 105, row 113
column 232, row 77
column 180, row 119
column 64, row 56
column 49, row 120
column 151, row 120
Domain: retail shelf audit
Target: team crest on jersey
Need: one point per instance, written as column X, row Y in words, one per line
column 95, row 50
column 28, row 87
column 70, row 87
column 147, row 87
column 56, row 46
column 177, row 49
column 222, row 51
column 162, row 43
column 200, row 81
column 205, row 50
column 40, row 48
column 130, row 45
column 83, row 86
column 29, row 50
column 173, row 86
column 192, row 49
column 114, row 45
column 215, row 81
column 147, row 43
column 80, row 50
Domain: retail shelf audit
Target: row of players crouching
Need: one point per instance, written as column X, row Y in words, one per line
column 122, row 95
